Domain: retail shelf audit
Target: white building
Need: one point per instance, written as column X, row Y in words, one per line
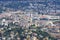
column 4, row 22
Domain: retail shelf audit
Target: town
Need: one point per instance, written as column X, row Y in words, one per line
column 25, row 24
column 30, row 20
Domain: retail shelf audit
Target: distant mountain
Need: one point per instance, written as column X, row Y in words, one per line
column 37, row 5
